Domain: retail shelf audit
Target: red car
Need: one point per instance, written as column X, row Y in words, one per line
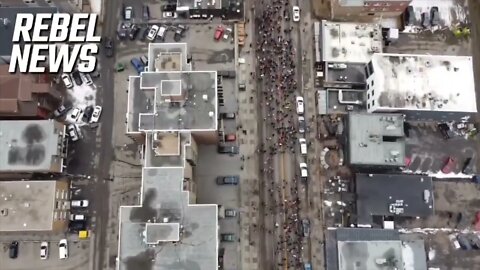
column 219, row 32
column 450, row 164
column 230, row 137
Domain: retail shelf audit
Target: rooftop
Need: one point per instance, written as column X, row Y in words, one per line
column 373, row 249
column 166, row 232
column 28, row 205
column 200, row 4
column 350, row 42
column 8, row 17
column 393, row 195
column 424, row 82
column 376, row 139
column 171, row 97
column 31, row 146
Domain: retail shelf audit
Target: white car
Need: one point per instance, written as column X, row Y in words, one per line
column 73, row 133
column 300, row 106
column 63, row 249
column 67, row 80
column 97, row 111
column 303, row 170
column 152, row 34
column 169, row 14
column 79, row 203
column 77, row 217
column 227, row 33
column 303, row 146
column 44, row 250
column 86, row 78
column 296, row 14
column 128, row 13
column 76, row 114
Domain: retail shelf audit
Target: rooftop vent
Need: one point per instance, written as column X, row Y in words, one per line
column 4, row 212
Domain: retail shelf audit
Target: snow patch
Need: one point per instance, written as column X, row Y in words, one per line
column 81, row 96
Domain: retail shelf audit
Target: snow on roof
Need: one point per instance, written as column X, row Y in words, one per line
column 424, row 82
column 350, row 42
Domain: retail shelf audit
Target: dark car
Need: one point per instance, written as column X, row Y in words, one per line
column 434, row 16
column 464, row 242
column 146, row 12
column 228, row 180
column 444, row 130
column 425, row 19
column 306, row 227
column 77, row 78
column 133, row 32
column 221, row 253
column 227, row 115
column 13, row 250
column 230, row 213
column 138, row 65
column 227, row 237
column 409, row 16
column 232, row 150
column 144, row 34
column 467, row 166
column 87, row 114
column 75, row 226
column 108, row 46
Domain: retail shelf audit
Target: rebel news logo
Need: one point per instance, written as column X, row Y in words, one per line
column 48, row 42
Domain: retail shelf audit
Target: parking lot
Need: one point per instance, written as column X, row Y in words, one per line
column 226, row 195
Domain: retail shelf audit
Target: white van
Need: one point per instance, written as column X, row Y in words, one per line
column 303, row 146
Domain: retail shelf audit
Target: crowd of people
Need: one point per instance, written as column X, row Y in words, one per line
column 277, row 76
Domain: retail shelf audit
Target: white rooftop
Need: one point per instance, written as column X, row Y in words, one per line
column 424, row 82
column 350, row 42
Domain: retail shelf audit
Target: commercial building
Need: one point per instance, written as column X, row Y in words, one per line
column 34, row 206
column 8, row 17
column 32, row 146
column 375, row 141
column 426, row 87
column 365, row 10
column 27, row 96
column 373, row 249
column 170, row 108
column 393, row 195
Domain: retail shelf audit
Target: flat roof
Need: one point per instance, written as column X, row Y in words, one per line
column 370, row 255
column 161, row 150
column 171, row 97
column 377, row 192
column 30, row 145
column 376, row 139
column 8, row 17
column 28, row 205
column 350, row 42
column 200, row 4
column 187, row 237
column 424, row 82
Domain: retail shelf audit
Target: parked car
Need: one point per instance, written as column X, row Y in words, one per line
column 467, row 166
column 300, row 105
column 169, row 14
column 227, row 115
column 464, row 242
column 97, row 111
column 454, row 241
column 434, row 16
column 219, row 32
column 134, row 29
column 61, row 110
column 409, row 16
column 146, row 12
column 227, row 237
column 13, row 250
column 75, row 115
column 87, row 114
column 63, row 249
column 128, row 13
column 227, row 33
column 307, row 266
column 444, row 130
column 224, row 149
column 144, row 60
column 425, row 20
column 152, row 34
column 296, row 13
column 76, row 77
column 228, row 180
column 303, row 170
column 144, row 33
column 76, row 217
column 73, row 133
column 230, row 213
column 161, row 33
column 43, row 250
column 67, row 80
column 137, row 64
column 303, row 146
column 75, row 226
column 178, row 35
column 449, row 166
column 306, row 227
column 79, row 203
column 108, row 46
column 301, row 124
column 86, row 78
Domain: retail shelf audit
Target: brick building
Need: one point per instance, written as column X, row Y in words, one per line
column 366, row 9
